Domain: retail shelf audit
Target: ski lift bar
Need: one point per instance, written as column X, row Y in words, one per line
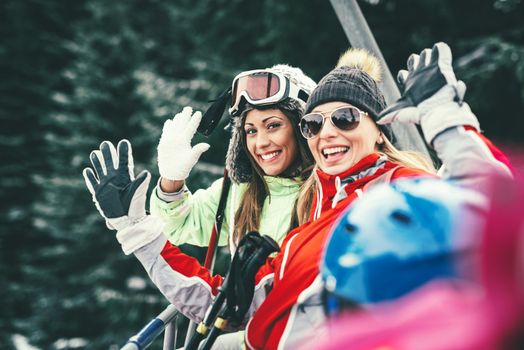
column 144, row 338
column 359, row 35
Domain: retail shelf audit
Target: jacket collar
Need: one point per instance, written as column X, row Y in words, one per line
column 281, row 186
column 333, row 188
column 365, row 167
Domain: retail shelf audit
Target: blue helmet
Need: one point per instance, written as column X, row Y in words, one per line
column 398, row 237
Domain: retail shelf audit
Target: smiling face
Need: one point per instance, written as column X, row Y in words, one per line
column 336, row 150
column 270, row 140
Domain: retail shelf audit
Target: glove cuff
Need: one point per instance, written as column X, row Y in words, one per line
column 118, row 223
column 447, row 115
column 137, row 235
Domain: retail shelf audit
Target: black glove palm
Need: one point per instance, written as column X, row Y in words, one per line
column 426, row 75
column 119, row 197
column 431, row 95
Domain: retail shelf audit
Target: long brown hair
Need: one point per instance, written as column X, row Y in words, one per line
column 247, row 217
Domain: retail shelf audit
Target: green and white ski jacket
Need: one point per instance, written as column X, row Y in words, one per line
column 189, row 217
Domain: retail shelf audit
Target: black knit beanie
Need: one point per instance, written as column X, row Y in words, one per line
column 354, row 86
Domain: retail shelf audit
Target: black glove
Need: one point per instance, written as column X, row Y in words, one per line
column 118, row 196
column 431, row 94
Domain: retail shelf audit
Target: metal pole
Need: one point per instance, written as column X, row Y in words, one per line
column 145, row 337
column 170, row 334
column 359, row 35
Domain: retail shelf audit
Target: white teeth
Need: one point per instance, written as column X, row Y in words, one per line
column 269, row 155
column 328, row 151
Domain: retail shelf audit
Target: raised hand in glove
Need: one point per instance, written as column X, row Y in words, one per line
column 176, row 157
column 119, row 196
column 431, row 94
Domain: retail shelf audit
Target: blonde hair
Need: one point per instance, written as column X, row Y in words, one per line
column 305, row 197
column 409, row 159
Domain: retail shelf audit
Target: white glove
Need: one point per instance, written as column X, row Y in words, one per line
column 119, row 197
column 431, row 94
column 176, row 157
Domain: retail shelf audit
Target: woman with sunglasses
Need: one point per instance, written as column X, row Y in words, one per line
column 353, row 153
column 286, row 309
column 267, row 160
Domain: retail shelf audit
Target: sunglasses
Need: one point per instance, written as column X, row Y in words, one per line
column 262, row 87
column 344, row 118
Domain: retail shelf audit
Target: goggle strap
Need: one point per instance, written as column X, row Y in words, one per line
column 214, row 113
column 302, row 95
column 295, row 92
column 223, row 94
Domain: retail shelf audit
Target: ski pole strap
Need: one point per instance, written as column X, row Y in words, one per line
column 251, row 254
column 219, row 217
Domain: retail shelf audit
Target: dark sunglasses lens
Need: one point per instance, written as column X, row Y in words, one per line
column 346, row 118
column 311, row 124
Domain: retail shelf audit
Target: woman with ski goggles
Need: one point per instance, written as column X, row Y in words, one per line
column 267, row 160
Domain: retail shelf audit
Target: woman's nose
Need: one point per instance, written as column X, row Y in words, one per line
column 263, row 139
column 328, row 129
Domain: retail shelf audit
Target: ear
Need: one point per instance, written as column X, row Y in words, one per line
column 380, row 139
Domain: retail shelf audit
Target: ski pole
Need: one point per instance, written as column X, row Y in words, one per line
column 238, row 278
column 210, row 316
column 209, row 262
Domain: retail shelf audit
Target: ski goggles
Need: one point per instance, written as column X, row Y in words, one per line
column 262, row 87
column 344, row 118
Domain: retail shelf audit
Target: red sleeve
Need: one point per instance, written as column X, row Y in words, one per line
column 267, row 269
column 189, row 266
